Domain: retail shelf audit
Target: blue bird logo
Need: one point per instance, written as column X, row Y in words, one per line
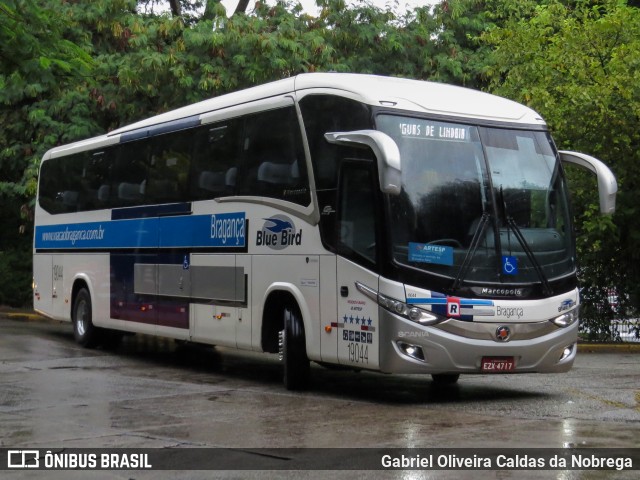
column 278, row 225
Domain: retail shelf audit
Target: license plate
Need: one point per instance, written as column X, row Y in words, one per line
column 498, row 364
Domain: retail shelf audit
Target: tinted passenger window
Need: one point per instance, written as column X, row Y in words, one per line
column 273, row 158
column 168, row 168
column 260, row 154
column 129, row 174
column 97, row 177
column 327, row 113
column 322, row 114
column 61, row 190
column 215, row 160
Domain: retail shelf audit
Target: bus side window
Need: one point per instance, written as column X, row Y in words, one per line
column 329, row 113
column 129, row 173
column 96, row 176
column 273, row 158
column 215, row 159
column 75, row 183
column 356, row 213
column 62, row 192
column 168, row 168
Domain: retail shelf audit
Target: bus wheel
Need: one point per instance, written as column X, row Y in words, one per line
column 445, row 378
column 85, row 333
column 293, row 351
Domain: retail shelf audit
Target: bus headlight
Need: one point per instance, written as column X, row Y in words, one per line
column 410, row 312
column 566, row 319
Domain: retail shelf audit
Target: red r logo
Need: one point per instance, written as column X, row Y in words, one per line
column 453, row 307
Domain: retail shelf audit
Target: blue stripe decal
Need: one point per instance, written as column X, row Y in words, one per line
column 476, row 303
column 148, row 211
column 427, row 301
column 443, row 301
column 224, row 230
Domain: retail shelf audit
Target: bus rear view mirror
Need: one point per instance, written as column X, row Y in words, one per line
column 385, row 150
column 607, row 185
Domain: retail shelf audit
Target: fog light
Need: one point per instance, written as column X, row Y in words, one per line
column 413, row 351
column 568, row 350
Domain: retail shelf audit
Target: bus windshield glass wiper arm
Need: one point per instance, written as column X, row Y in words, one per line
column 475, row 242
column 511, row 223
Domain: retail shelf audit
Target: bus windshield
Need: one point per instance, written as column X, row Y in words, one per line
column 479, row 204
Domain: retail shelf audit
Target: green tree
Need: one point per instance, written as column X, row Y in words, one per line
column 38, row 67
column 577, row 63
column 36, row 64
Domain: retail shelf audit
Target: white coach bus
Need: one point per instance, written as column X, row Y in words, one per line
column 367, row 222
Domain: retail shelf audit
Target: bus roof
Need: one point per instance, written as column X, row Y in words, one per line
column 390, row 92
column 424, row 97
column 398, row 93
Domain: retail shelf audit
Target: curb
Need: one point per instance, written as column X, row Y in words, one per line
column 25, row 316
column 609, row 347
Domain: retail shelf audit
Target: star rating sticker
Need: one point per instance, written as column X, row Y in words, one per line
column 351, row 319
column 370, row 321
column 357, row 320
column 345, row 319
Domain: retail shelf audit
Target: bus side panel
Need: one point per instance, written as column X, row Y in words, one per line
column 244, row 327
column 328, row 310
column 359, row 340
column 215, row 321
column 302, row 272
column 55, row 276
column 43, row 283
column 61, row 278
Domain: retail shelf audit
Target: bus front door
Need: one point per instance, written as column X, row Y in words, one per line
column 357, row 316
column 356, row 263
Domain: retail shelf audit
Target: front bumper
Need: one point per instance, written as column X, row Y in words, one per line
column 451, row 351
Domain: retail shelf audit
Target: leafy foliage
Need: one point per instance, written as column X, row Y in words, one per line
column 37, row 68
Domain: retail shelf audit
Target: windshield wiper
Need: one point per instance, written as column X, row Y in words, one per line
column 475, row 242
column 546, row 288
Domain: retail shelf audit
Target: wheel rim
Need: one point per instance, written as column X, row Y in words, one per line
column 81, row 317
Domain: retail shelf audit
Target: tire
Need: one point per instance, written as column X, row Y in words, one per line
column 293, row 351
column 442, row 379
column 84, row 331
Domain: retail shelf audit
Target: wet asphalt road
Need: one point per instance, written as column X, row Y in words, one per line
column 151, row 392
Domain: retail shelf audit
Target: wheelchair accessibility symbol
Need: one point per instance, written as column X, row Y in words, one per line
column 509, row 265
